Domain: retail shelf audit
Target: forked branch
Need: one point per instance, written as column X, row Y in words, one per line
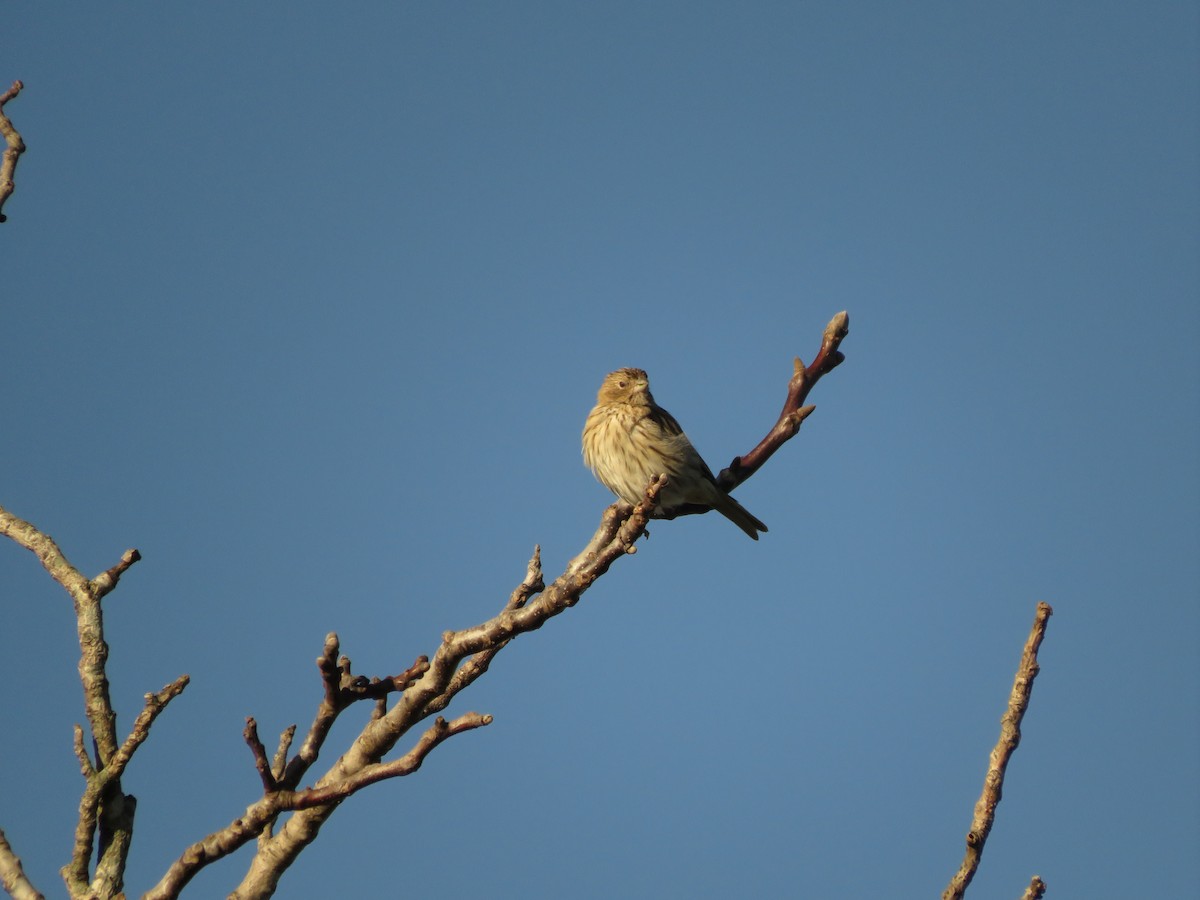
column 104, row 828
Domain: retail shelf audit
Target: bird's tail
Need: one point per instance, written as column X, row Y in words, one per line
column 739, row 515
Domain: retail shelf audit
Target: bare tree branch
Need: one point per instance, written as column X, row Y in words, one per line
column 804, row 378
column 14, row 147
column 278, row 766
column 114, row 840
column 93, row 654
column 421, row 691
column 105, row 808
column 75, row 873
column 105, row 823
column 12, row 875
column 432, row 690
column 479, row 662
column 1010, row 737
column 342, row 688
column 430, row 685
column 372, row 774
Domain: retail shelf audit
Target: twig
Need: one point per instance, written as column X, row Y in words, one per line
column 532, row 584
column 405, row 765
column 342, row 688
column 1036, row 889
column 250, row 734
column 12, row 874
column 327, row 713
column 106, row 581
column 803, row 379
column 285, row 743
column 154, row 705
column 15, row 146
column 86, row 768
column 1010, row 737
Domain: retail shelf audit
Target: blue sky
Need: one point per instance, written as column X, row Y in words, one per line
column 309, row 304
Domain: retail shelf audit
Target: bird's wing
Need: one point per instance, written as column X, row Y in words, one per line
column 671, row 428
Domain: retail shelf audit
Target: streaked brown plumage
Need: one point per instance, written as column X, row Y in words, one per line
column 629, row 439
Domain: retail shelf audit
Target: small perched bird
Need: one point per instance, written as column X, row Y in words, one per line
column 629, row 439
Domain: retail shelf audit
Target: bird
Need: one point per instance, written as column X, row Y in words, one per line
column 629, row 439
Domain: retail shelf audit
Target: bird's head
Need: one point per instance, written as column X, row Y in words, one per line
column 626, row 386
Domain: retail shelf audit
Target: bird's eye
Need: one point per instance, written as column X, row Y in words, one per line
column 622, row 383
